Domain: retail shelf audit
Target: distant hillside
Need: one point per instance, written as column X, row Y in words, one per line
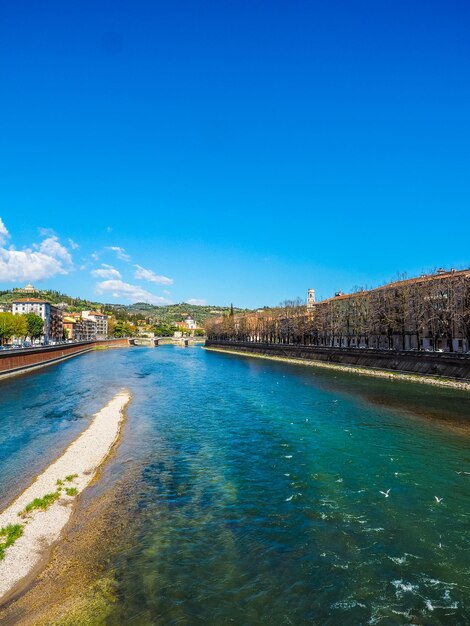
column 133, row 312
column 170, row 312
column 55, row 297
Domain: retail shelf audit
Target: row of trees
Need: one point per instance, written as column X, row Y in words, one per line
column 429, row 311
column 20, row 326
column 121, row 328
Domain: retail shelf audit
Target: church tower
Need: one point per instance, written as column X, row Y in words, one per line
column 311, row 298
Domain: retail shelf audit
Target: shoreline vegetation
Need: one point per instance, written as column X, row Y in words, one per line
column 354, row 369
column 35, row 520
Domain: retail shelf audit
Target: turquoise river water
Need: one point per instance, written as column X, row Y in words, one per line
column 259, row 492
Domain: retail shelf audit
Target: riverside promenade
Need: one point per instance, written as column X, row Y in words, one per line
column 14, row 362
column 429, row 366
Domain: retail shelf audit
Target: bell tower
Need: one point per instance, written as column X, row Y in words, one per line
column 311, row 298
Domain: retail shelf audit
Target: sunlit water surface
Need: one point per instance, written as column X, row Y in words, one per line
column 259, row 499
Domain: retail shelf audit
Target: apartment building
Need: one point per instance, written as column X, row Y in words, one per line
column 100, row 322
column 52, row 316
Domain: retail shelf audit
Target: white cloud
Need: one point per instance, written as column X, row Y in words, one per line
column 106, row 271
column 120, row 253
column 131, row 293
column 142, row 274
column 4, row 234
column 40, row 261
column 199, row 301
column 73, row 245
column 47, row 232
column 95, row 256
column 27, row 265
column 51, row 247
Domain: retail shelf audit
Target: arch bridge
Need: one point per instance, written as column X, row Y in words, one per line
column 158, row 341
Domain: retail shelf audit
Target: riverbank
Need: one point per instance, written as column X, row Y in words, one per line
column 364, row 371
column 36, row 519
column 78, row 586
column 17, row 362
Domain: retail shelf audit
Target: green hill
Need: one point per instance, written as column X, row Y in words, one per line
column 139, row 311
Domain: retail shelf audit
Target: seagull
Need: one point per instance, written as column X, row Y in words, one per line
column 385, row 493
column 465, row 473
column 438, row 500
column 294, row 494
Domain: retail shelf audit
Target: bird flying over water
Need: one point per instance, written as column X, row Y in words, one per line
column 385, row 493
column 438, row 500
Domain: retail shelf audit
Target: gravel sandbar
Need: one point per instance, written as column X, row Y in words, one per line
column 73, row 471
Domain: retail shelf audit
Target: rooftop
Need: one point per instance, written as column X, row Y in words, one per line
column 34, row 300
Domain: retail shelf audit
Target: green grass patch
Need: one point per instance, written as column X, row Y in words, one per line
column 45, row 502
column 41, row 503
column 8, row 535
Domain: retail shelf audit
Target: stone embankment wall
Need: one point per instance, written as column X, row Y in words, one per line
column 17, row 361
column 441, row 364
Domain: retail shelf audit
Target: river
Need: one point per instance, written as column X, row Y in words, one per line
column 257, row 496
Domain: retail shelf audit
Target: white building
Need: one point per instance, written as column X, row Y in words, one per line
column 52, row 316
column 100, row 320
column 29, row 288
column 190, row 322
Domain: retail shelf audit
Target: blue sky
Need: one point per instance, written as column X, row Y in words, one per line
column 231, row 151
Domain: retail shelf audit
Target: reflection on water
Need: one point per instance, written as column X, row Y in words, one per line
column 259, row 492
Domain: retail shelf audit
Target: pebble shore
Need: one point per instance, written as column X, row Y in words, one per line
column 72, row 472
